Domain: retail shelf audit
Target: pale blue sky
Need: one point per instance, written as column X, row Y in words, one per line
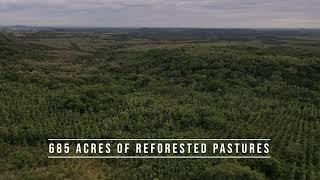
column 163, row 13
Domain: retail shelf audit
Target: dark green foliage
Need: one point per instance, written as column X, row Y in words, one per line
column 232, row 87
column 230, row 171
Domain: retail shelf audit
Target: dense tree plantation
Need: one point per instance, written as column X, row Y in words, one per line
column 148, row 83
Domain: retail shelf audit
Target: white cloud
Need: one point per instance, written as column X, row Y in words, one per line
column 197, row 13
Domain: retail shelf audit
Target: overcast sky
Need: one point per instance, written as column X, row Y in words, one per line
column 163, row 13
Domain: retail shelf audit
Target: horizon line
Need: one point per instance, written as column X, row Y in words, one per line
column 151, row 27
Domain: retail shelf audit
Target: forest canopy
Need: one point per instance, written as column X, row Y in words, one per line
column 160, row 83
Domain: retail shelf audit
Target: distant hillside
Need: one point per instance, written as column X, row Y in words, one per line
column 19, row 28
column 4, row 38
